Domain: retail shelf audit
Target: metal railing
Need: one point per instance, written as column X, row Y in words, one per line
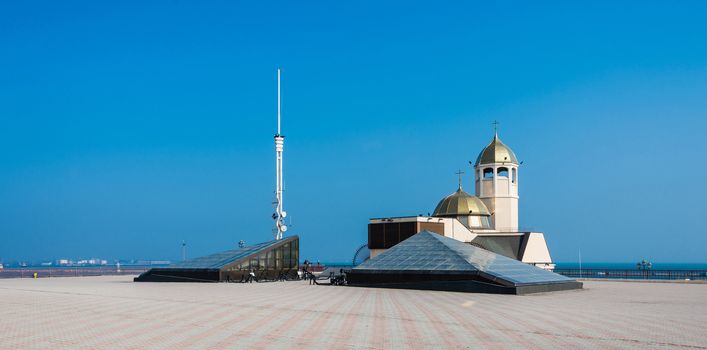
column 633, row 274
column 28, row 272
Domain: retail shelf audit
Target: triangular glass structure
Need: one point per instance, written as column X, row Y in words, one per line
column 268, row 260
column 221, row 259
column 432, row 261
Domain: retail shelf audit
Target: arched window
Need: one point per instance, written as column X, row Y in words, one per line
column 502, row 172
column 488, row 173
column 513, row 171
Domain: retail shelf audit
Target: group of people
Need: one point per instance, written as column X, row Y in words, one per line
column 252, row 276
column 305, row 274
column 247, row 278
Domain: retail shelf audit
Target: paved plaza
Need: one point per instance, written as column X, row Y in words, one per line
column 115, row 313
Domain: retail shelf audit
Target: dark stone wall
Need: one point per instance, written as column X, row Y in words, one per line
column 179, row 275
column 447, row 282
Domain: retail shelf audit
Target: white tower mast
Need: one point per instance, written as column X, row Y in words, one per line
column 280, row 213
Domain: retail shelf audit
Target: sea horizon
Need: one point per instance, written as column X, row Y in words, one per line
column 600, row 265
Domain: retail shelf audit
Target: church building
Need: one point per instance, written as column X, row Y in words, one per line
column 488, row 219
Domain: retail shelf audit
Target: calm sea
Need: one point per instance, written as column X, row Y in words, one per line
column 595, row 265
column 630, row 266
column 559, row 265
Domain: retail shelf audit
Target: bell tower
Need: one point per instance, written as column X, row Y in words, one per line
column 496, row 172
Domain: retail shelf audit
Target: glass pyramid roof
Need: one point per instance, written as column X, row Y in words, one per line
column 219, row 260
column 433, row 253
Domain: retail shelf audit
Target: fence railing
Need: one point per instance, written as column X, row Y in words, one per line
column 634, row 274
column 29, row 272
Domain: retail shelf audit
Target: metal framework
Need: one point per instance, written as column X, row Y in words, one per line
column 362, row 254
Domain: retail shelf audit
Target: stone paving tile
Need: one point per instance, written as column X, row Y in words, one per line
column 112, row 312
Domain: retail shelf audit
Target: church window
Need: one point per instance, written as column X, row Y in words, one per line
column 464, row 220
column 503, row 172
column 474, row 221
column 488, row 173
column 513, row 171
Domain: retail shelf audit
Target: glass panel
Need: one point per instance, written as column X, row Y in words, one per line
column 431, row 252
column 485, row 222
column 262, row 261
column 269, row 260
column 278, row 258
column 222, row 259
column 464, row 220
column 286, row 253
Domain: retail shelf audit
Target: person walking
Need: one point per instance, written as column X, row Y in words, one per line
column 312, row 279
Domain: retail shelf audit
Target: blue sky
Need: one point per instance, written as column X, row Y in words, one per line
column 127, row 127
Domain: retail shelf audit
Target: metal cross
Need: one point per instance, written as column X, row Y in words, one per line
column 459, row 173
column 495, row 126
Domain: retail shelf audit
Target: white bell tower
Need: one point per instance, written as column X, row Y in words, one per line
column 496, row 172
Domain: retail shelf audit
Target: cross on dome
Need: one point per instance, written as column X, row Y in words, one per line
column 460, row 173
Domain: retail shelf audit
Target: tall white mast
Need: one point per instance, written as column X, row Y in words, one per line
column 280, row 213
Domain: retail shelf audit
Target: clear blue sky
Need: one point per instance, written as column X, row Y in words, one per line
column 129, row 126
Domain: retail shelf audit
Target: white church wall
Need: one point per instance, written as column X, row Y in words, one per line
column 502, row 187
column 453, row 228
column 505, row 213
column 486, row 188
column 536, row 251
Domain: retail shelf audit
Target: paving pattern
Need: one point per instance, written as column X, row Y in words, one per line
column 112, row 312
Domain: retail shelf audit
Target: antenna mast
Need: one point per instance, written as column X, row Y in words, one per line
column 280, row 213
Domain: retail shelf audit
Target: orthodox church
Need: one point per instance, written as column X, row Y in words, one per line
column 471, row 243
column 488, row 219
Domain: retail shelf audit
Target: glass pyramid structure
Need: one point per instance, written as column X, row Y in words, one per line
column 268, row 260
column 428, row 260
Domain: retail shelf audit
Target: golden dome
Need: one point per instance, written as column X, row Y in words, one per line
column 496, row 152
column 460, row 203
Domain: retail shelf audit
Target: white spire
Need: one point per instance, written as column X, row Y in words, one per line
column 280, row 213
column 278, row 101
